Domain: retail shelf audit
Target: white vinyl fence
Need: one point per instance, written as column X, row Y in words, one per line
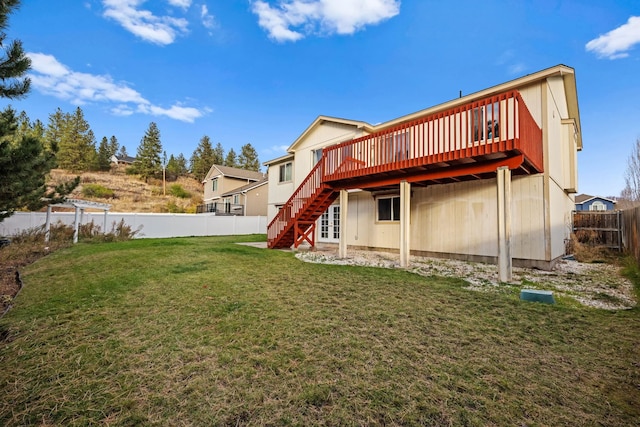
column 151, row 225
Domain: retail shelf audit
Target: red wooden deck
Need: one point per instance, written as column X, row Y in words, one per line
column 466, row 142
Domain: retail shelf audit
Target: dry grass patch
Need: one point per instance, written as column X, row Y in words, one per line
column 127, row 193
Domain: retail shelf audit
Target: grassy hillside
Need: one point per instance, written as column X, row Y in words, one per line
column 128, row 193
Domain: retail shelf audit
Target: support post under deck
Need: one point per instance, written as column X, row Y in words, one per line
column 504, row 224
column 405, row 208
column 342, row 245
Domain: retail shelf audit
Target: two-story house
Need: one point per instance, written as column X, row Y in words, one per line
column 234, row 191
column 486, row 177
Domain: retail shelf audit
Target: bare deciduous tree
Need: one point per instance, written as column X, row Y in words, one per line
column 631, row 190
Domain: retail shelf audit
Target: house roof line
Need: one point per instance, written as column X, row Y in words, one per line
column 567, row 73
column 232, row 173
column 581, row 199
column 320, row 119
column 247, row 187
column 288, row 156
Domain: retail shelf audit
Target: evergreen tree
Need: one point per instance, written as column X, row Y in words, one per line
column 53, row 134
column 14, row 63
column 113, row 145
column 77, row 146
column 202, row 158
column 24, row 127
column 148, row 162
column 248, row 158
column 176, row 166
column 218, row 154
column 24, row 160
column 232, row 159
column 181, row 163
column 24, row 165
column 122, row 152
column 104, row 155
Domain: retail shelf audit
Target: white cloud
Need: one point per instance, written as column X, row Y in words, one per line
column 184, row 4
column 291, row 20
column 208, row 21
column 53, row 78
column 161, row 30
column 275, row 150
column 617, row 42
column 517, row 68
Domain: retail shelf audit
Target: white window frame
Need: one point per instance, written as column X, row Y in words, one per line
column 394, row 208
column 284, row 170
column 316, row 156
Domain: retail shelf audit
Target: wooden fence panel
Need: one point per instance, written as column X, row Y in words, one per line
column 599, row 228
column 631, row 229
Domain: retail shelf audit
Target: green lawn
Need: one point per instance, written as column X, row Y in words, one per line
column 202, row 331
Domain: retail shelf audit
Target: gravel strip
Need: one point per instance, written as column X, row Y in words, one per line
column 593, row 285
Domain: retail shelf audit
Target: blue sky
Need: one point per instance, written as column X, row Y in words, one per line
column 260, row 71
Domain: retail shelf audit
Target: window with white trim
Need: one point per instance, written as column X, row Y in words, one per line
column 285, row 172
column 316, row 156
column 598, row 206
column 388, row 208
column 236, row 199
column 214, row 184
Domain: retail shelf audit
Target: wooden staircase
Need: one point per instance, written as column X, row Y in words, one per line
column 295, row 222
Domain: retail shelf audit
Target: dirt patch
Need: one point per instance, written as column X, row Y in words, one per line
column 594, row 285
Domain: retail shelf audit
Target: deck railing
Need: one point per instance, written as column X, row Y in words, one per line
column 481, row 128
column 496, row 124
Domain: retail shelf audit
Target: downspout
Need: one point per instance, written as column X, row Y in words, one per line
column 245, row 202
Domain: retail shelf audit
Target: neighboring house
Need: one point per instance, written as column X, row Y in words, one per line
column 486, row 177
column 220, row 184
column 122, row 160
column 585, row 202
column 250, row 199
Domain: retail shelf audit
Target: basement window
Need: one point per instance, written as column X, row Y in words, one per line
column 388, row 208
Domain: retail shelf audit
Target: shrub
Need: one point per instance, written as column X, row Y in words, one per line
column 119, row 232
column 97, row 190
column 172, row 207
column 176, row 190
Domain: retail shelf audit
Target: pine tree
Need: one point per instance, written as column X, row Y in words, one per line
column 181, row 163
column 248, row 158
column 104, row 155
column 14, row 63
column 122, row 152
column 113, row 146
column 55, row 129
column 176, row 166
column 202, row 158
column 218, row 154
column 77, row 145
column 24, row 165
column 25, row 158
column 232, row 159
column 148, row 162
